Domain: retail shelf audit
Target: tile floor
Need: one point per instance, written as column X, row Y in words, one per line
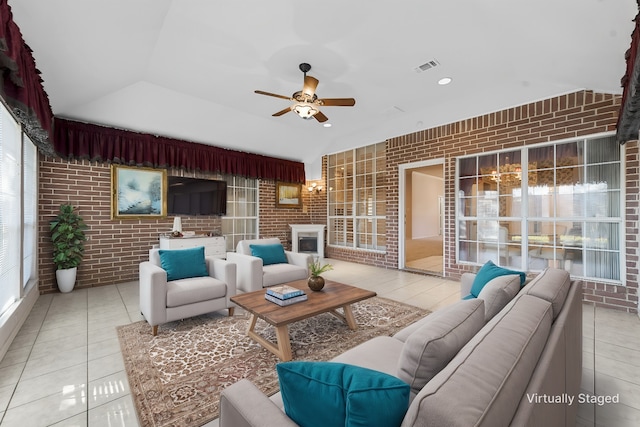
column 65, row 369
column 432, row 264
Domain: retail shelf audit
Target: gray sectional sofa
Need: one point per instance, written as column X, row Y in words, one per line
column 481, row 362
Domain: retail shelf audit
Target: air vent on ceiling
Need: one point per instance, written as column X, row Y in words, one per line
column 427, row 66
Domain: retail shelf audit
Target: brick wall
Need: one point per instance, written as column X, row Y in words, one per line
column 568, row 116
column 116, row 247
column 274, row 221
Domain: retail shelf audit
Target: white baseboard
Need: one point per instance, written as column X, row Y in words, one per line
column 13, row 319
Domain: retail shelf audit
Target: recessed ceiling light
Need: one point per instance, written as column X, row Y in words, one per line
column 327, row 125
column 444, row 81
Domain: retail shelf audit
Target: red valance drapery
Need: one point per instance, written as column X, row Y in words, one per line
column 75, row 140
column 20, row 84
column 629, row 117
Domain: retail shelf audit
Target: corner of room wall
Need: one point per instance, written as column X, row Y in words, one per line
column 275, row 221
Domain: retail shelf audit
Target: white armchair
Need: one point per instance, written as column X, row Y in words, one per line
column 163, row 301
column 253, row 275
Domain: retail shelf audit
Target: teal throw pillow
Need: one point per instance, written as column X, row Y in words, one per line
column 270, row 254
column 183, row 263
column 491, row 271
column 321, row 394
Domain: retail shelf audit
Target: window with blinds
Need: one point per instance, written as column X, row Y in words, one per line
column 558, row 205
column 10, row 216
column 29, row 210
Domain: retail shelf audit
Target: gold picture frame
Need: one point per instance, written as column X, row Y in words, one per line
column 138, row 193
column 288, row 195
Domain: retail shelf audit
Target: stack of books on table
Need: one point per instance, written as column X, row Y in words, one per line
column 285, row 295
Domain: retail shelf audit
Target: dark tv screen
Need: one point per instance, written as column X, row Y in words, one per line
column 193, row 196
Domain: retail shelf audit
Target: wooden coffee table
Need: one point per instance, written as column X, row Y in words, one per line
column 334, row 295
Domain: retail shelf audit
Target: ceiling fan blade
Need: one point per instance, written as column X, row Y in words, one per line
column 310, row 85
column 281, row 112
column 261, row 92
column 337, row 102
column 320, row 117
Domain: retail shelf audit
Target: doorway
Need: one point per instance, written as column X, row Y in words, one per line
column 421, row 242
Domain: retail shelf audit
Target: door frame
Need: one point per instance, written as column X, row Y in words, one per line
column 402, row 188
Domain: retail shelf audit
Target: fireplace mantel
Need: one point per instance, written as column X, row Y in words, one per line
column 308, row 229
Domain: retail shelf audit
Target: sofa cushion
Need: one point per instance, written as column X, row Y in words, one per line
column 551, row 285
column 336, row 394
column 270, row 254
column 243, row 245
column 498, row 292
column 276, row 274
column 491, row 373
column 379, row 353
column 183, row 263
column 438, row 339
column 189, row 291
column 490, row 271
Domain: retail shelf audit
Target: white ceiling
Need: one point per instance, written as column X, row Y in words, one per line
column 188, row 68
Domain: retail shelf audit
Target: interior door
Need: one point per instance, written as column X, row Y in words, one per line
column 422, row 217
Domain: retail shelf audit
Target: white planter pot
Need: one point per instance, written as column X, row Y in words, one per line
column 66, row 279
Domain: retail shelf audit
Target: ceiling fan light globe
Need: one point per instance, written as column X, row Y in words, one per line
column 305, row 110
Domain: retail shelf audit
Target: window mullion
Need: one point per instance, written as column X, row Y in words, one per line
column 524, row 236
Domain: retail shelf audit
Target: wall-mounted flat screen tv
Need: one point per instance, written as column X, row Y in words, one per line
column 193, row 196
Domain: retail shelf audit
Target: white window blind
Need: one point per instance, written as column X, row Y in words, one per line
column 30, row 210
column 10, row 223
column 558, row 205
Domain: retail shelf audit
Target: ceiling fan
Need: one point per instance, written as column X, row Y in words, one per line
column 305, row 102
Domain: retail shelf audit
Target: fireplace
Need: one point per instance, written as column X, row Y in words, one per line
column 308, row 238
column 308, row 244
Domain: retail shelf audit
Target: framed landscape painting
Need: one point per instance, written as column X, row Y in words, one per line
column 288, row 195
column 138, row 193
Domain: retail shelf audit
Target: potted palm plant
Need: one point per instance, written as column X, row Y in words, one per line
column 67, row 235
column 316, row 281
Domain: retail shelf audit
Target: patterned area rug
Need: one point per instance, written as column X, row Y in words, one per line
column 176, row 377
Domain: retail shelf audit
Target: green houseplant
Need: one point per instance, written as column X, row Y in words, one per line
column 316, row 281
column 68, row 237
